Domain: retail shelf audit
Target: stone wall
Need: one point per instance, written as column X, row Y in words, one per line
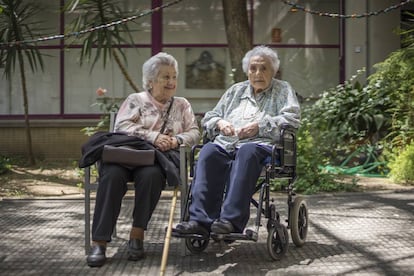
column 54, row 141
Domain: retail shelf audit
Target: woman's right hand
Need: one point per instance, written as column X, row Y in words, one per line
column 226, row 128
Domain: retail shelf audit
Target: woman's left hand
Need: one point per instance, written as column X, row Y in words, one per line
column 163, row 142
column 248, row 130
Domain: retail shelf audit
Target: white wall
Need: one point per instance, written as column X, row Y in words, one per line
column 369, row 40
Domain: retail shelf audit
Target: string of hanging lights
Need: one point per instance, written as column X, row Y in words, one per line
column 293, row 5
column 296, row 7
column 89, row 30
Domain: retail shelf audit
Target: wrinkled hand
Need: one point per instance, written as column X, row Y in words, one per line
column 248, row 130
column 164, row 142
column 226, row 128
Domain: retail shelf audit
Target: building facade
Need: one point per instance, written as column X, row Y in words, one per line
column 318, row 50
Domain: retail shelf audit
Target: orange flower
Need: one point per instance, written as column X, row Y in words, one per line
column 100, row 91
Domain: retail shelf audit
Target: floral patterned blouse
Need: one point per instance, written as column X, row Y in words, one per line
column 142, row 116
column 271, row 108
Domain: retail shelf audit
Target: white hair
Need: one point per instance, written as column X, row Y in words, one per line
column 151, row 67
column 261, row 51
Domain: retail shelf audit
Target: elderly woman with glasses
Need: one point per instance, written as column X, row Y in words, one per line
column 166, row 122
column 242, row 128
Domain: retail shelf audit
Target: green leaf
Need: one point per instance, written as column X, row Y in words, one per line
column 97, row 13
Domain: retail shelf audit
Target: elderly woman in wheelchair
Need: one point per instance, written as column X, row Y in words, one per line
column 242, row 129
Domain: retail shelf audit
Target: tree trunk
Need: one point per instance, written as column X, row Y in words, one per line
column 26, row 110
column 238, row 34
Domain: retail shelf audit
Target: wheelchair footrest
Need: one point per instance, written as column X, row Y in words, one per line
column 188, row 236
column 247, row 235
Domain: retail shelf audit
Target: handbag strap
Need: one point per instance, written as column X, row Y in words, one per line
column 166, row 116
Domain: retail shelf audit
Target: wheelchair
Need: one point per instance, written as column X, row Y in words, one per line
column 283, row 169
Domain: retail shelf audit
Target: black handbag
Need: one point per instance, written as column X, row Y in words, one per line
column 128, row 156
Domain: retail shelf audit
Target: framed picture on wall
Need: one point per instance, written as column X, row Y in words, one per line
column 205, row 68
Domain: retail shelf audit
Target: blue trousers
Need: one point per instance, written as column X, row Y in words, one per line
column 234, row 173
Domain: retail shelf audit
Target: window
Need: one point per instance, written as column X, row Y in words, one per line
column 308, row 46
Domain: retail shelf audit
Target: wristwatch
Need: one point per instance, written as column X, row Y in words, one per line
column 179, row 140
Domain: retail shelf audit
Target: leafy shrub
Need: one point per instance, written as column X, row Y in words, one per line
column 393, row 83
column 370, row 120
column 346, row 117
column 379, row 116
column 4, row 164
column 311, row 178
column 402, row 167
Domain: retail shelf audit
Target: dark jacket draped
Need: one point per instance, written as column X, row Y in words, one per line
column 169, row 161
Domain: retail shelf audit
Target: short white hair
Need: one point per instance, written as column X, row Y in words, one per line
column 151, row 67
column 261, row 51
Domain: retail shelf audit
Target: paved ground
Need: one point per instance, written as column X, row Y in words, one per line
column 350, row 234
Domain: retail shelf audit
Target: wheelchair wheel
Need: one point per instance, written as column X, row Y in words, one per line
column 299, row 221
column 273, row 217
column 277, row 245
column 196, row 245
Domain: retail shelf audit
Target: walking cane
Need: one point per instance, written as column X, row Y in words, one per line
column 168, row 236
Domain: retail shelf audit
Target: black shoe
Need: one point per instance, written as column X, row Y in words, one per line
column 191, row 227
column 96, row 257
column 222, row 226
column 135, row 249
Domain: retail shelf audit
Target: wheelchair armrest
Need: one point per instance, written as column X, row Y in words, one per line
column 192, row 157
column 286, row 128
column 286, row 147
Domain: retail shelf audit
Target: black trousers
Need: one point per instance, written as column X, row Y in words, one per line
column 149, row 182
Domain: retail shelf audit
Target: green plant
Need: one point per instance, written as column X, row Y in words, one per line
column 102, row 42
column 16, row 26
column 311, row 178
column 359, row 122
column 351, row 125
column 393, row 82
column 407, row 30
column 402, row 167
column 107, row 105
column 342, row 128
column 4, row 164
column 346, row 117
